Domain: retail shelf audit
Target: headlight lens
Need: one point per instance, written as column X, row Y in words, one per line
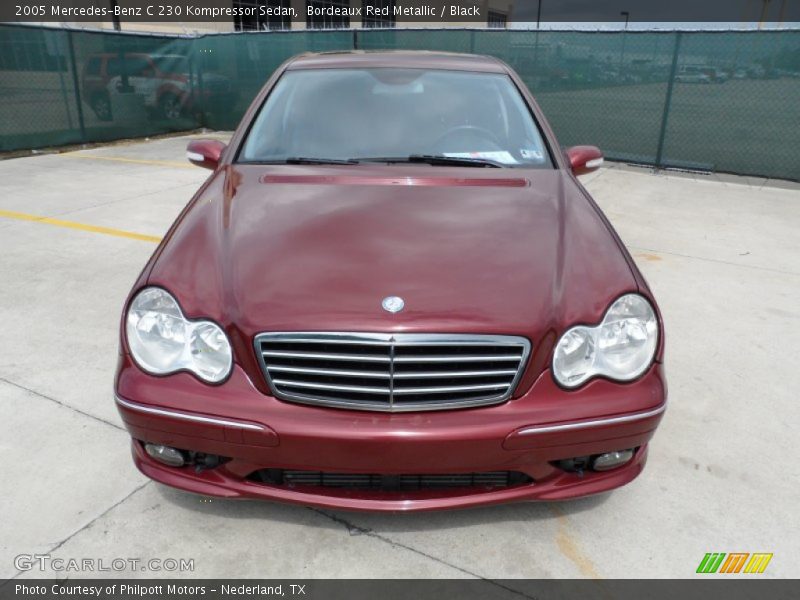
column 163, row 341
column 621, row 347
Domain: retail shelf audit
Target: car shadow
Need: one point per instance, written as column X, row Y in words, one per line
column 360, row 523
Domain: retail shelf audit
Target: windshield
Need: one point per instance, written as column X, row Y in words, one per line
column 391, row 113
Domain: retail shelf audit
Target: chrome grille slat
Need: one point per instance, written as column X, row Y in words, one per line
column 434, row 374
column 332, row 372
column 329, row 386
column 434, row 359
column 452, row 388
column 392, row 372
column 351, row 357
column 343, row 340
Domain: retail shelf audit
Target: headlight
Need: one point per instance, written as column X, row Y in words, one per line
column 621, row 347
column 163, row 341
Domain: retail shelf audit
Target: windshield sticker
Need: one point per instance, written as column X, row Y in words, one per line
column 532, row 154
column 500, row 156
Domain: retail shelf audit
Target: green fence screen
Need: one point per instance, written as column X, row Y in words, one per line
column 723, row 101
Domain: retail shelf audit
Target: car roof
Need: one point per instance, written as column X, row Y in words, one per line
column 408, row 59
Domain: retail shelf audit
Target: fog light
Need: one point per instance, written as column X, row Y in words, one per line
column 612, row 460
column 171, row 457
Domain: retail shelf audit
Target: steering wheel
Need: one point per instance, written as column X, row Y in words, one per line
column 469, row 130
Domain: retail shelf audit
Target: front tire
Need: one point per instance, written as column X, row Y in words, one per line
column 101, row 105
column 170, row 107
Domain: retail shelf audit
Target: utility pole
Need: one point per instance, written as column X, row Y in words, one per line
column 782, row 13
column 114, row 16
column 124, row 85
column 536, row 41
column 659, row 161
column 764, row 12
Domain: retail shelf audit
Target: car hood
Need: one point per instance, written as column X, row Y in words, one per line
column 295, row 248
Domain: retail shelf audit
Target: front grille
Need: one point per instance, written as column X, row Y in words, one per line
column 403, row 483
column 401, row 372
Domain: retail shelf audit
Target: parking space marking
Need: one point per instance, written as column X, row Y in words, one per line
column 642, row 252
column 10, row 214
column 569, row 546
column 141, row 161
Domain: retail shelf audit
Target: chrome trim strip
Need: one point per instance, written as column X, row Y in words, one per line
column 163, row 412
column 331, row 337
column 594, row 423
column 394, row 344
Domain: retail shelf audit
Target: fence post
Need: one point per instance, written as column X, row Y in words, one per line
column 59, row 50
column 192, row 58
column 76, row 85
column 201, row 60
column 668, row 101
column 355, row 39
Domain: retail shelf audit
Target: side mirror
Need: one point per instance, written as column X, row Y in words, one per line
column 205, row 153
column 584, row 159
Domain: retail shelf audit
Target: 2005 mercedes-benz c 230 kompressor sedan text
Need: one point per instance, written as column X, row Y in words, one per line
column 392, row 293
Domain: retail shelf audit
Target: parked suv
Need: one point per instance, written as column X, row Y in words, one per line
column 164, row 81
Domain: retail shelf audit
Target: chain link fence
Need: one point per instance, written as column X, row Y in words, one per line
column 724, row 101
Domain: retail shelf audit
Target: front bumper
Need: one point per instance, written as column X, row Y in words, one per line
column 526, row 434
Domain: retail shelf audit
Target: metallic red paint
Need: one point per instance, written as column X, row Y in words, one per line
column 306, row 437
column 316, row 248
column 584, row 159
column 222, row 484
column 205, row 153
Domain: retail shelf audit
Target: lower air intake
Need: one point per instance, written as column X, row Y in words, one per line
column 369, row 481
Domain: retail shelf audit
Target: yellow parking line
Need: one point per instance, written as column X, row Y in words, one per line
column 140, row 161
column 569, row 546
column 10, row 214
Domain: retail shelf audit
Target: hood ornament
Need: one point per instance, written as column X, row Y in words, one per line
column 393, row 304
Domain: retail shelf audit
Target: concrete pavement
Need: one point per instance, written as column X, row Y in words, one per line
column 722, row 255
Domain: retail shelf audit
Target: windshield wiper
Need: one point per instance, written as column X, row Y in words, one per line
column 302, row 160
column 430, row 159
column 437, row 159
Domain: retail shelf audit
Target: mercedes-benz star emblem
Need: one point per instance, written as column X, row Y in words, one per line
column 393, row 304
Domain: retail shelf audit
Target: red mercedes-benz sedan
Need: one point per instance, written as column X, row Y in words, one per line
column 392, row 293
